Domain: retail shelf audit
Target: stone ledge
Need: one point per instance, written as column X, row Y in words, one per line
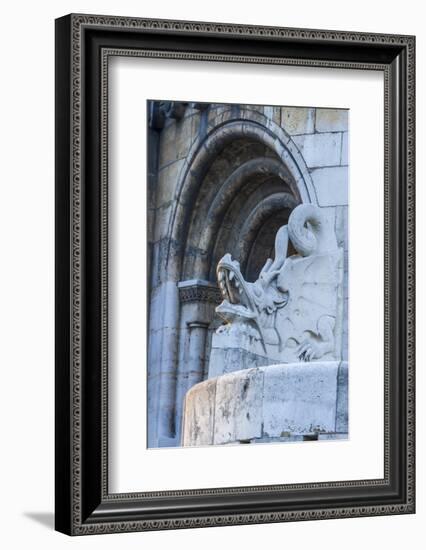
column 297, row 399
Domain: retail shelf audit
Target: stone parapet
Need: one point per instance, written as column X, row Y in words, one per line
column 266, row 403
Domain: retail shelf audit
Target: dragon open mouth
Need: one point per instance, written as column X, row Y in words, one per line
column 234, row 289
column 230, row 286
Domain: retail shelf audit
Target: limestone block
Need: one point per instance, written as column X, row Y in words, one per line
column 344, row 158
column 238, row 407
column 153, row 383
column 298, row 120
column 273, row 114
column 234, row 351
column 342, row 398
column 163, row 215
column 168, row 353
column 251, row 107
column 158, row 260
column 150, row 226
column 167, row 146
column 225, row 360
column 331, row 185
column 223, row 430
column 329, row 214
column 320, row 149
column 215, row 112
column 163, row 306
column 196, row 124
column 300, row 398
column 268, row 111
column 175, row 141
column 282, row 402
column 345, row 346
column 199, row 414
column 277, row 116
column 166, row 182
column 184, row 137
column 342, row 229
column 331, row 120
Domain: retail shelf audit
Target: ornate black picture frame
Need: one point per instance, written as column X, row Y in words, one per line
column 83, row 45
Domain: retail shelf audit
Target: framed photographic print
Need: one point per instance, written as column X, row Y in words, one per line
column 234, row 274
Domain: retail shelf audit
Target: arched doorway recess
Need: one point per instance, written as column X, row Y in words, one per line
column 238, row 185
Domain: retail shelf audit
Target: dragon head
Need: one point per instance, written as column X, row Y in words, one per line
column 237, row 293
column 250, row 304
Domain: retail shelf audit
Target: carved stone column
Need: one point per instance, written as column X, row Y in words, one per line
column 198, row 299
column 196, row 352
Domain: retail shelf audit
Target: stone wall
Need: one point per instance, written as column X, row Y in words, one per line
column 223, row 178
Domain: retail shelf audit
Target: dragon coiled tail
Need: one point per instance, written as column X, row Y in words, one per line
column 306, row 229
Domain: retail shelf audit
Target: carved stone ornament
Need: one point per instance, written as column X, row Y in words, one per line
column 293, row 311
column 276, row 371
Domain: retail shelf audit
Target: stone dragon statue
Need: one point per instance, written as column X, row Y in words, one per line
column 293, row 311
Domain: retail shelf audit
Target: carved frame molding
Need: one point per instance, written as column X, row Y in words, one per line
column 83, row 45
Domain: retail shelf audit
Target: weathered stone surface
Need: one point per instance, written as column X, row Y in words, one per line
column 229, row 356
column 224, row 422
column 331, row 185
column 166, row 182
column 163, row 216
column 269, row 111
column 331, row 120
column 197, row 124
column 175, row 141
column 310, row 321
column 344, row 157
column 215, row 113
column 300, row 398
column 272, row 403
column 320, row 149
column 298, row 120
column 342, row 228
column 184, row 137
column 167, row 150
column 238, row 407
column 329, row 217
column 342, row 399
column 199, row 414
column 342, row 234
column 161, row 261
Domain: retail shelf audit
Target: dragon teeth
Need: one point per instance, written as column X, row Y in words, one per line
column 231, row 275
column 237, row 283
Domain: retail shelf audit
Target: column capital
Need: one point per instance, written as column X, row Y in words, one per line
column 197, row 290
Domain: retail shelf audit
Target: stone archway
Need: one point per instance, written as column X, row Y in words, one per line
column 238, row 185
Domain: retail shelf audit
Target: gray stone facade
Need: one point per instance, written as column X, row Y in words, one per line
column 224, row 178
